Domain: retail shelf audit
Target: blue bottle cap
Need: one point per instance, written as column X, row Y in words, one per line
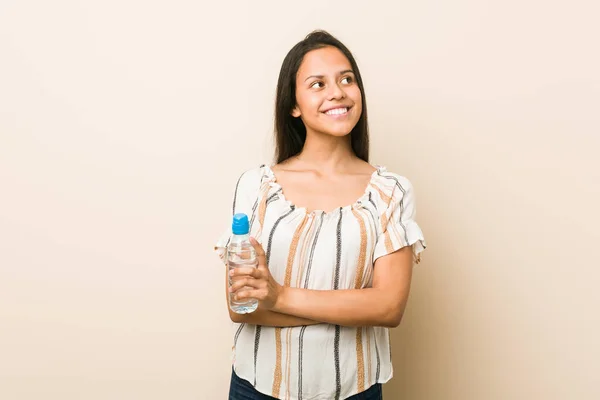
column 240, row 225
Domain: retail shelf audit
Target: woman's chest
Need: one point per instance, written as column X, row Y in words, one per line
column 320, row 250
column 324, row 194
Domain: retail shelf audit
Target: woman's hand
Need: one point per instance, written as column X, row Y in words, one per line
column 256, row 283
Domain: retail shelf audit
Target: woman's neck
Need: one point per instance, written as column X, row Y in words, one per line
column 327, row 153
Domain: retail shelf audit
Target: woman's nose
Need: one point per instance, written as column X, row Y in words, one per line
column 336, row 92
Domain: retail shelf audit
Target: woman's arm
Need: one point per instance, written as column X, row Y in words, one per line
column 381, row 305
column 269, row 318
column 265, row 317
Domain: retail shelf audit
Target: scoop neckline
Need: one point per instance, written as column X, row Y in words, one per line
column 356, row 204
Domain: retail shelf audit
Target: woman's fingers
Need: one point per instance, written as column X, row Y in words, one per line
column 251, row 282
column 258, row 294
column 260, row 252
column 247, row 282
column 250, row 271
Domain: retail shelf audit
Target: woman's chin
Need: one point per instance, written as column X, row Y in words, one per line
column 338, row 131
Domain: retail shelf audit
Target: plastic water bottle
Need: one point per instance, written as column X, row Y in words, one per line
column 240, row 253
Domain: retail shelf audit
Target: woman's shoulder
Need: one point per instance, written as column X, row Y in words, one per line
column 258, row 172
column 249, row 183
column 391, row 180
column 253, row 173
column 250, row 179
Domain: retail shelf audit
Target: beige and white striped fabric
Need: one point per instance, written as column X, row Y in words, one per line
column 323, row 251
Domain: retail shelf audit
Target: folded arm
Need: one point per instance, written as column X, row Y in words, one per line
column 381, row 305
column 266, row 317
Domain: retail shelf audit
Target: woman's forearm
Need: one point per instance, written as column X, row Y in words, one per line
column 382, row 304
column 351, row 307
column 266, row 317
column 270, row 318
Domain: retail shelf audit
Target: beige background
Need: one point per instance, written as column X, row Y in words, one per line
column 124, row 124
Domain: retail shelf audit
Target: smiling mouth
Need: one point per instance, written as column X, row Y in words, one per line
column 338, row 111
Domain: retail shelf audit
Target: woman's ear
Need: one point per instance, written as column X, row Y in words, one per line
column 295, row 112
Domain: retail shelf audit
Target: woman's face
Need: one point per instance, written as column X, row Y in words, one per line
column 328, row 99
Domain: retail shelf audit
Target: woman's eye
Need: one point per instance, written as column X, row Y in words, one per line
column 317, row 85
column 347, row 80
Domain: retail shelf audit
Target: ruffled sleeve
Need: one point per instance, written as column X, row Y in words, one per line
column 398, row 222
column 244, row 200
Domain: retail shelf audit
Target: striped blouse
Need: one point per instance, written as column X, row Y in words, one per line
column 323, row 251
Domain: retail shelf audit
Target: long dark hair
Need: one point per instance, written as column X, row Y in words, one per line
column 290, row 132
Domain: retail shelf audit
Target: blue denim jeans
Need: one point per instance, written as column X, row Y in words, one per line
column 240, row 389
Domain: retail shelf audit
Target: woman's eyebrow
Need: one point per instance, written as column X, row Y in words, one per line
column 323, row 76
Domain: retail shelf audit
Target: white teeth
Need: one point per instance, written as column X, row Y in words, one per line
column 337, row 111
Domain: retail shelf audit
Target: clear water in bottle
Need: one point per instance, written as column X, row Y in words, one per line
column 240, row 253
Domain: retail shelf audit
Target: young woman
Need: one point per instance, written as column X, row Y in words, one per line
column 336, row 239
